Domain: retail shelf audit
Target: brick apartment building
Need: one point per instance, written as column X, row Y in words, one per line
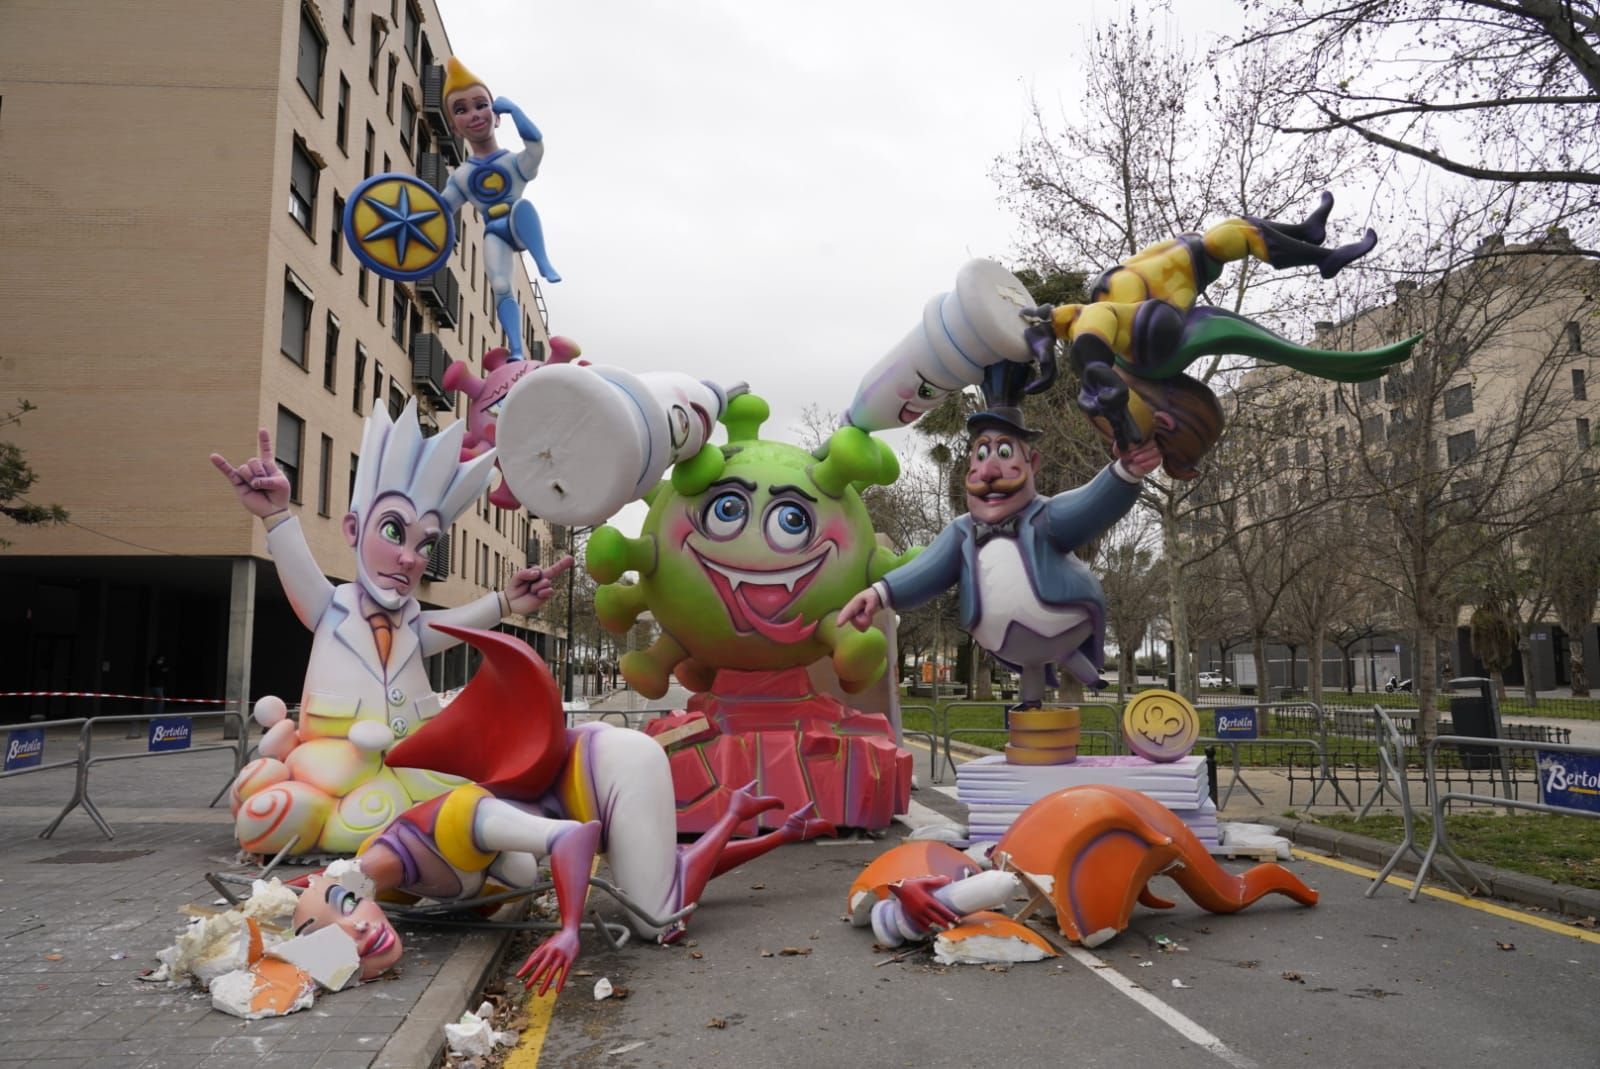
column 173, row 277
column 1544, row 313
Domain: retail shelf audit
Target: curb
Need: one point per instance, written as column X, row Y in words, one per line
column 419, row 1041
column 1561, row 899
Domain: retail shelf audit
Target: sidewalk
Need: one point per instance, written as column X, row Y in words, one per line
column 81, row 917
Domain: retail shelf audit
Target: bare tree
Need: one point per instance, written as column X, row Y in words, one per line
column 1135, row 590
column 1151, row 150
column 1470, row 444
column 1502, row 91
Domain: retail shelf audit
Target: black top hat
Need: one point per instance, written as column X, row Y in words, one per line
column 1004, row 385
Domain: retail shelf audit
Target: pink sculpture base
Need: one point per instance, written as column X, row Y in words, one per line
column 771, row 727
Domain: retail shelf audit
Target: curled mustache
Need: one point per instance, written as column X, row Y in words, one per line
column 1002, row 485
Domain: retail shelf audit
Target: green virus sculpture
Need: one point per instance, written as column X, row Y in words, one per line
column 744, row 560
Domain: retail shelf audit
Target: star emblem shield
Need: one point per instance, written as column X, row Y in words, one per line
column 398, row 226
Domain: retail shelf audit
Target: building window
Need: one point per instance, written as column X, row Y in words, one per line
column 291, row 436
column 408, row 121
column 297, row 301
column 350, row 20
column 303, row 173
column 1458, row 400
column 341, row 132
column 398, row 325
column 366, row 156
column 325, row 473
column 381, row 281
column 361, row 285
column 388, row 103
column 1584, row 440
column 397, row 400
column 360, row 389
column 412, row 30
column 1574, row 336
column 377, row 383
column 1372, row 429
column 1580, row 388
column 355, row 462
column 335, row 238
column 375, row 44
column 313, row 50
column 1459, row 447
column 330, row 356
column 1338, row 434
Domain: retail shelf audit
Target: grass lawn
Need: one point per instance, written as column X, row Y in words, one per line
column 1560, row 848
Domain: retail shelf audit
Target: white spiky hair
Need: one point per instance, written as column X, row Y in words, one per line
column 396, row 459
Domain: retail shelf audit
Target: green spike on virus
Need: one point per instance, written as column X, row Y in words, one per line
column 746, row 556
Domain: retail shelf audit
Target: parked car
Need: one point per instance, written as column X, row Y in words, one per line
column 1211, row 679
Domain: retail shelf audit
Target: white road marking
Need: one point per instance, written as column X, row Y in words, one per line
column 1169, row 1016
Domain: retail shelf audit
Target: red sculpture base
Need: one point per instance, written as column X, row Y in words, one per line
column 774, row 729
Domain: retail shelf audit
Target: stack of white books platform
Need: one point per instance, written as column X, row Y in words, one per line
column 995, row 793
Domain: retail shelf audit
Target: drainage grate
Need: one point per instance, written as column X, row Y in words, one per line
column 92, row 857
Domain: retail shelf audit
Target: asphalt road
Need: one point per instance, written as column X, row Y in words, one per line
column 1349, row 982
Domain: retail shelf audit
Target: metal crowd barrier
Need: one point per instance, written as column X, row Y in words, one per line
column 85, row 757
column 1440, row 802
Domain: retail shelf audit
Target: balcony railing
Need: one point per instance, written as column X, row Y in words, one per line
column 434, row 114
column 441, row 292
column 428, row 363
column 432, row 169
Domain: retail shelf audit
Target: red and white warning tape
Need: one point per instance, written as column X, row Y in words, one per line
column 89, row 694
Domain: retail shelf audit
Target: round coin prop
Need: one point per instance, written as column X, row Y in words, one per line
column 397, row 225
column 1160, row 725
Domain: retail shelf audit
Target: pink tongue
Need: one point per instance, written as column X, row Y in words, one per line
column 765, row 599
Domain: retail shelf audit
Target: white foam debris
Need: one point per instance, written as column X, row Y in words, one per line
column 985, row 950
column 945, row 832
column 1238, row 833
column 346, row 872
column 269, row 899
column 602, row 989
column 474, row 1035
column 328, row 954
column 209, row 947
column 235, row 992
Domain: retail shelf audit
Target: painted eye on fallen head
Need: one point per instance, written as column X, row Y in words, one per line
column 343, row 900
column 927, row 392
column 426, row 549
column 391, row 531
column 788, row 526
column 982, row 452
column 726, row 515
column 1005, row 451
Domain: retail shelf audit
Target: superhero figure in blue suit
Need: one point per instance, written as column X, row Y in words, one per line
column 492, row 179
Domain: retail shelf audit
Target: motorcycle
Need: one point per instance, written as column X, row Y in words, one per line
column 1397, row 684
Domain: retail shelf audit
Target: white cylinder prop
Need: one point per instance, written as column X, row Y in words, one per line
column 976, row 324
column 577, row 443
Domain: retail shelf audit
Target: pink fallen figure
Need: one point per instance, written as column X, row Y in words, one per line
column 538, row 790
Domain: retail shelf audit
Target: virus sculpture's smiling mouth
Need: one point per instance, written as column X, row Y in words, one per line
column 755, row 599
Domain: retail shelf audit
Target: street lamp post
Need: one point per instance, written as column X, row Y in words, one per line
column 572, row 575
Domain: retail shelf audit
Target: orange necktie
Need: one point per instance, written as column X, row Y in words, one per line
column 382, row 634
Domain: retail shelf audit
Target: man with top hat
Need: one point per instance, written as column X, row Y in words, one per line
column 1025, row 597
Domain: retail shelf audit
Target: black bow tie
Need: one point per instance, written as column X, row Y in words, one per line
column 1006, row 528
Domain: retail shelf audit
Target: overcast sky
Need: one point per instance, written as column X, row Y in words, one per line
column 770, row 192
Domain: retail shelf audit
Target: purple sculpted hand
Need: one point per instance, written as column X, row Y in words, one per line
column 262, row 488
column 532, row 587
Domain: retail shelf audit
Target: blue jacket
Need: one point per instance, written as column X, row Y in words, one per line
column 1050, row 529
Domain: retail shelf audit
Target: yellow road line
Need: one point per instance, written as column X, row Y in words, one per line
column 531, row 1044
column 1461, row 900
